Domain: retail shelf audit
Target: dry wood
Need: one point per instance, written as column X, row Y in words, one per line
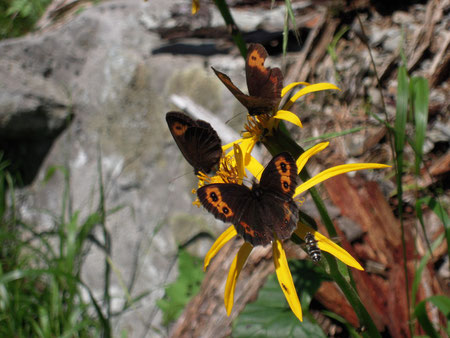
column 383, row 295
column 205, row 315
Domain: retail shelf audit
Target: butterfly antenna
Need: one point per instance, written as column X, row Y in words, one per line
column 173, row 179
column 227, row 121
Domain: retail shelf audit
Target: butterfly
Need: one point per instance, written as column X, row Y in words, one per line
column 261, row 211
column 264, row 83
column 197, row 140
column 311, row 247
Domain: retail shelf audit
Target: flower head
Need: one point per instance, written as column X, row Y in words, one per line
column 279, row 256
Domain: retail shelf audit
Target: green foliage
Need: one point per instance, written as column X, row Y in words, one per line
column 443, row 304
column 41, row 292
column 178, row 293
column 18, row 17
column 270, row 315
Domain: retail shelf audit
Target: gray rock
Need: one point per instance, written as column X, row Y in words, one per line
column 101, row 65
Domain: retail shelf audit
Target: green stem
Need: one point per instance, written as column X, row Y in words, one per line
column 231, row 26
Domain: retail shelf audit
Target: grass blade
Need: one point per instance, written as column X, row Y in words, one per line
column 419, row 270
column 232, row 27
column 420, row 105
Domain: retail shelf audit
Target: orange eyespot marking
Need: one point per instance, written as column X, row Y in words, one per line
column 282, row 166
column 255, row 60
column 214, row 198
column 179, row 129
column 285, row 183
column 248, row 229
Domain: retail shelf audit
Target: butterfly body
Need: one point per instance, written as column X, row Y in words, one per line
column 311, row 247
column 264, row 83
column 262, row 211
column 197, row 140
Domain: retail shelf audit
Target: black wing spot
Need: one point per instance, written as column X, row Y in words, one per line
column 214, row 197
column 285, row 185
column 225, row 210
column 283, row 167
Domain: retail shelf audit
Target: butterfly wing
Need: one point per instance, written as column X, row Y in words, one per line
column 226, row 201
column 278, row 183
column 280, row 176
column 204, row 148
column 280, row 216
column 236, row 204
column 252, row 226
column 263, row 82
column 197, row 140
column 243, row 98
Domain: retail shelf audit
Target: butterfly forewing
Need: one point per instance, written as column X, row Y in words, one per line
column 204, row 148
column 263, row 82
column 197, row 140
column 226, row 202
column 280, row 176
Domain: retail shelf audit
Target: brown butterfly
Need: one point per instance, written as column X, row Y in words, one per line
column 261, row 211
column 264, row 83
column 197, row 140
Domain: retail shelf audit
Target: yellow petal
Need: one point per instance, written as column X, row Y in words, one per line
column 218, row 244
column 334, row 171
column 326, row 244
column 285, row 278
column 288, row 116
column 255, row 168
column 239, row 162
column 303, row 158
column 292, row 85
column 309, row 89
column 195, row 6
column 247, row 146
column 233, row 275
column 230, row 145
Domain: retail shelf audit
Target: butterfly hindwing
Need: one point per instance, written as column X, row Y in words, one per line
column 197, row 140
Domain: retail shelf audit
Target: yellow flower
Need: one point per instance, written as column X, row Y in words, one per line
column 279, row 256
column 195, row 6
column 260, row 125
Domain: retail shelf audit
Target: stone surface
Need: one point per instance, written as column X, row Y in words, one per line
column 101, row 66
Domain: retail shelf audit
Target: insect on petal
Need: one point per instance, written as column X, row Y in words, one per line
column 326, row 244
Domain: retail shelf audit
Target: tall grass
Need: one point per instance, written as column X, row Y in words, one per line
column 41, row 290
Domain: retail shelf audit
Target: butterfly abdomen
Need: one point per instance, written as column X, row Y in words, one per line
column 311, row 247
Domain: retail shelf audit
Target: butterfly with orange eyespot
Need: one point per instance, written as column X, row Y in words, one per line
column 261, row 211
column 197, row 140
column 264, row 83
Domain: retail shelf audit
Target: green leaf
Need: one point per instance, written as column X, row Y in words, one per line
column 401, row 110
column 439, row 210
column 420, row 105
column 270, row 316
column 178, row 293
column 442, row 303
column 422, row 264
